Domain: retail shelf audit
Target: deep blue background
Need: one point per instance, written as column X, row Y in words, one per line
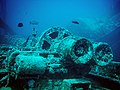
column 51, row 12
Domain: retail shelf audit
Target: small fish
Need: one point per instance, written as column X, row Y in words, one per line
column 75, row 22
column 34, row 22
column 20, row 24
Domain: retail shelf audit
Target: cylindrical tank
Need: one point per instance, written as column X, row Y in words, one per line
column 30, row 64
column 102, row 53
column 80, row 50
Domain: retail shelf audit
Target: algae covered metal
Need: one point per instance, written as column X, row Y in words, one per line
column 57, row 51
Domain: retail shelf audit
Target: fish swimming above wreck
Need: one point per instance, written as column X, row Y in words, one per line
column 33, row 22
column 20, row 24
column 75, row 22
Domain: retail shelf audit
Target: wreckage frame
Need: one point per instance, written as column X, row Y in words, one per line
column 57, row 56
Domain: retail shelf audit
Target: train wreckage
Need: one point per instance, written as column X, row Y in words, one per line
column 57, row 60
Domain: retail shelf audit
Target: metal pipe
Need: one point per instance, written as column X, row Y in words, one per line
column 102, row 53
column 80, row 50
column 30, row 64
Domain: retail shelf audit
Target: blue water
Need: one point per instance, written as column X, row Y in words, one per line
column 97, row 19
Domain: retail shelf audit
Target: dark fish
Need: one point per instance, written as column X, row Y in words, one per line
column 75, row 22
column 20, row 24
